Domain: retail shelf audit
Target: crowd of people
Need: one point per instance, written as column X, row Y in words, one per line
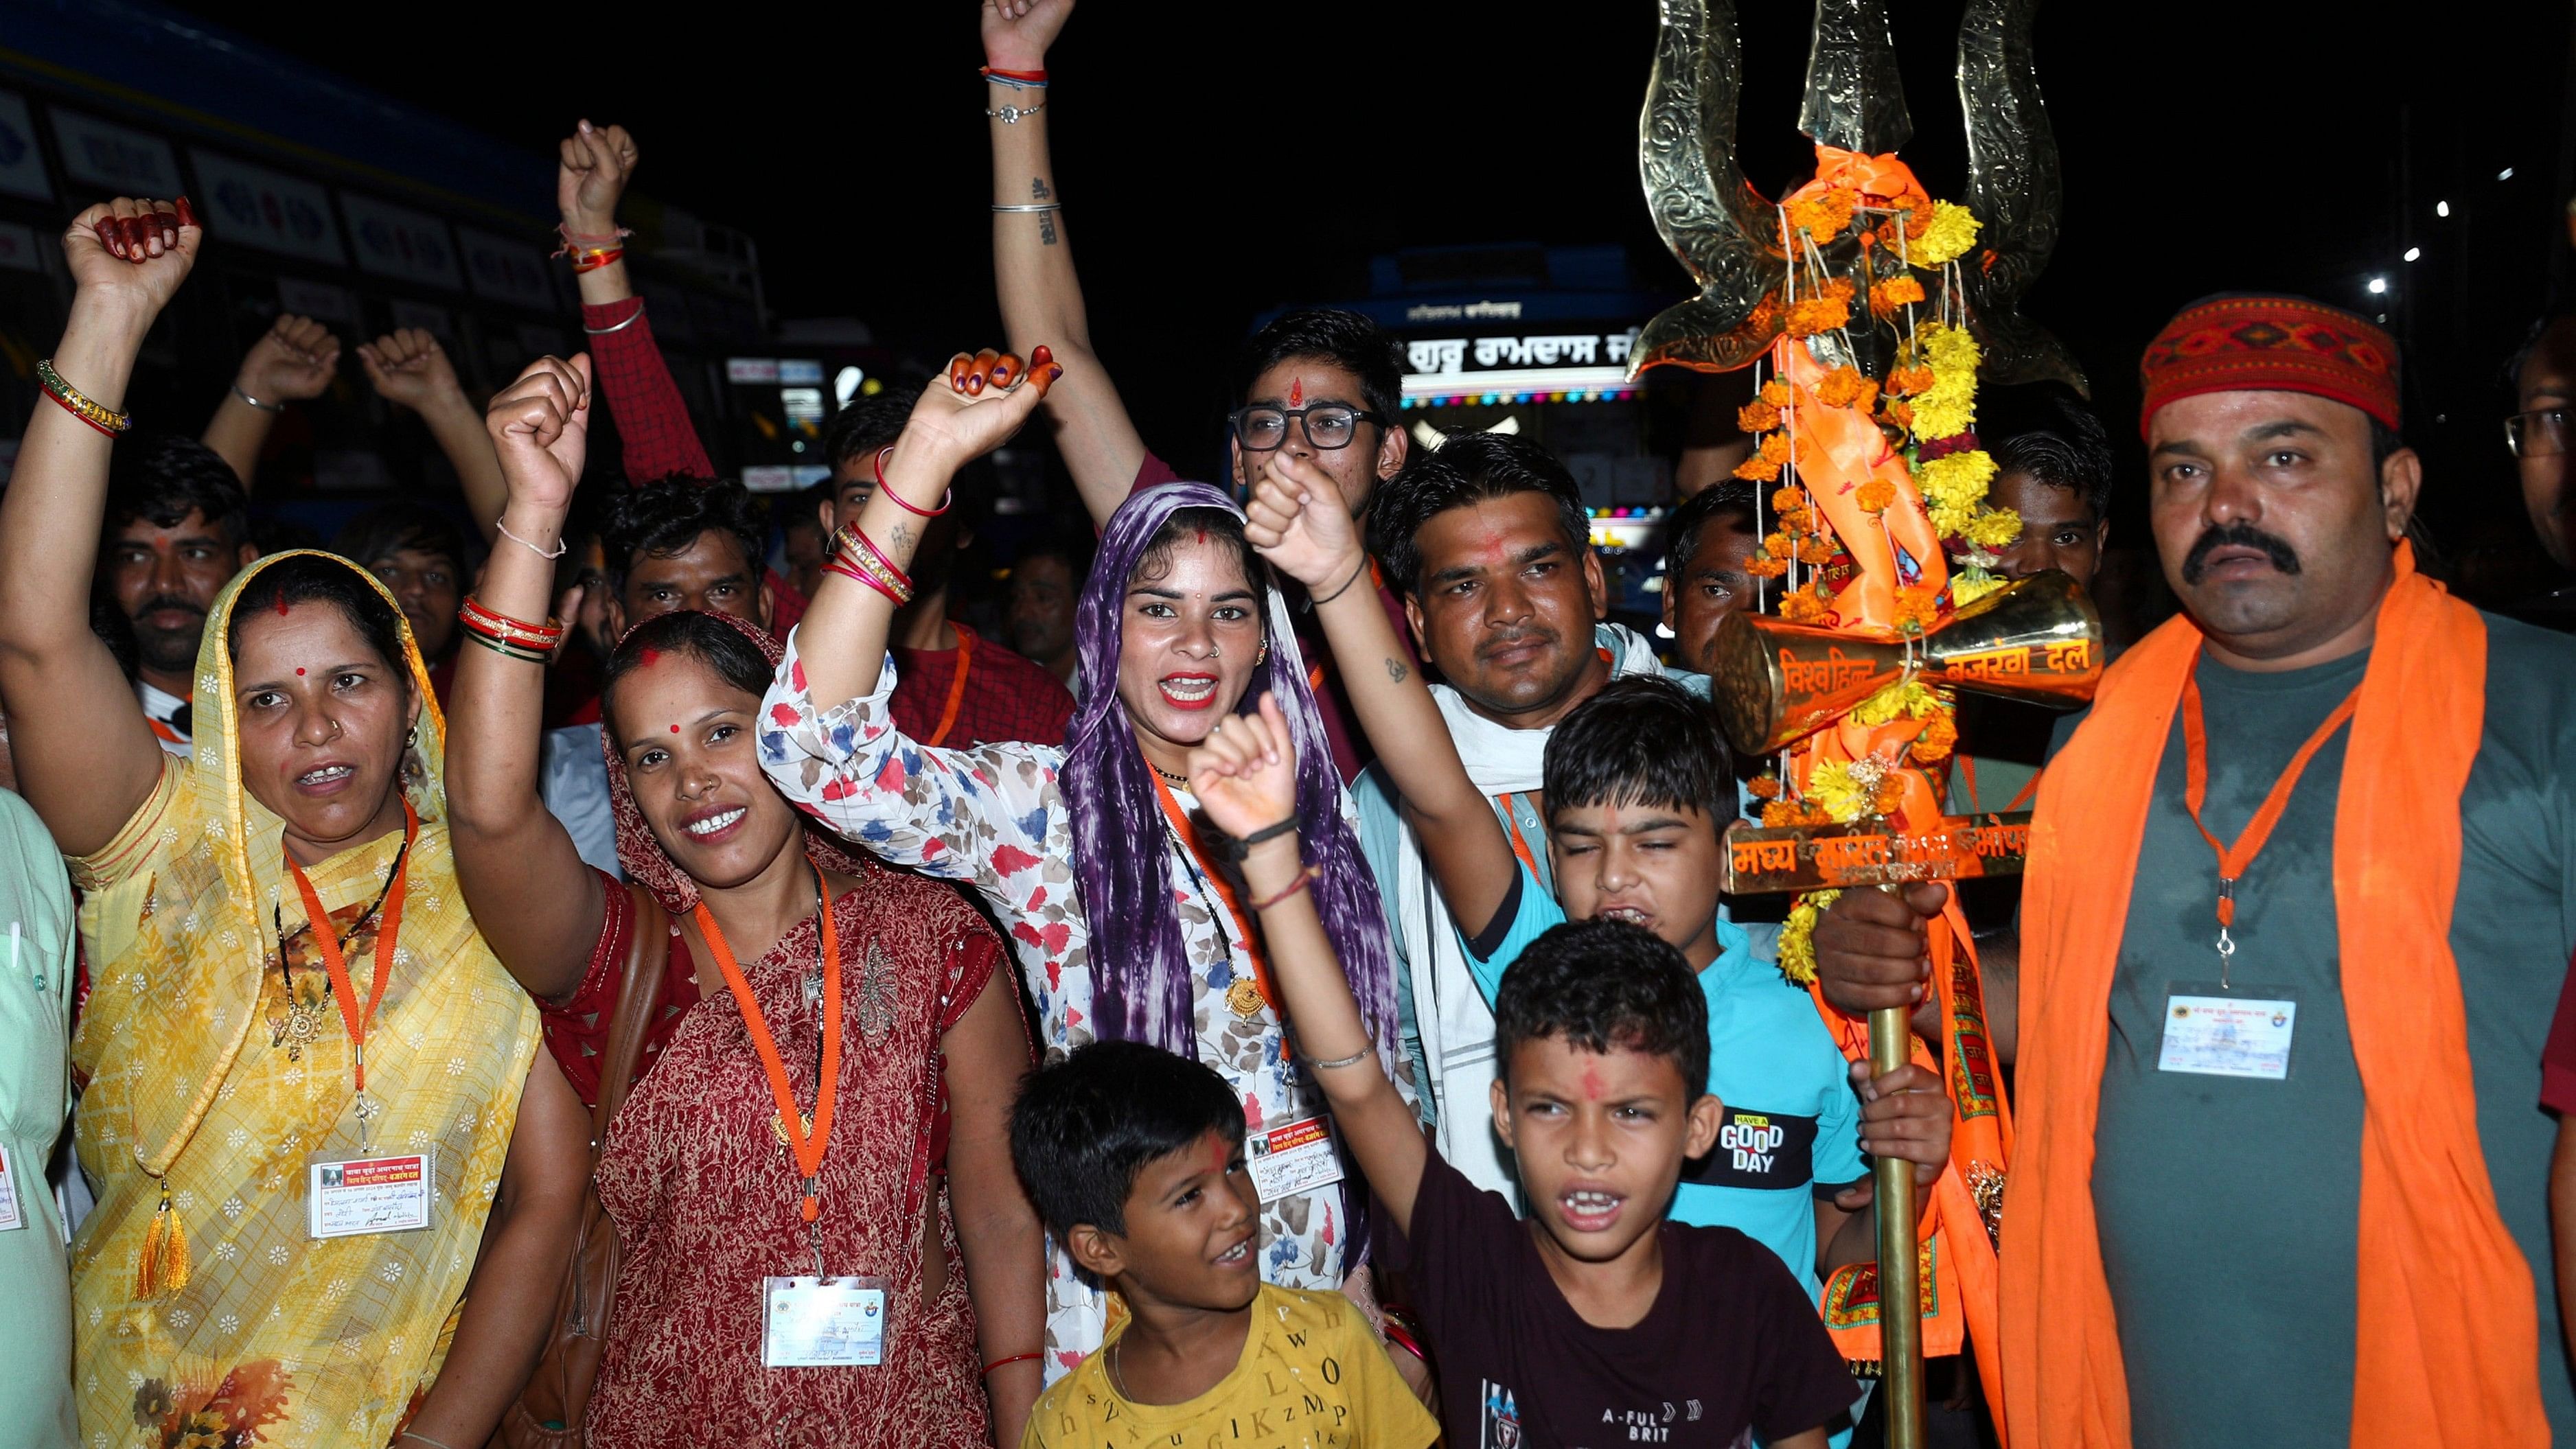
column 585, row 982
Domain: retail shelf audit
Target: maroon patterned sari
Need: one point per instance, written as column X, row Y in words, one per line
column 705, row 1194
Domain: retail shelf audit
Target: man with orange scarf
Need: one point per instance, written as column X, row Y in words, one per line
column 2301, row 892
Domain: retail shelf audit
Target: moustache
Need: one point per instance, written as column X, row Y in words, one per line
column 2237, row 535
column 158, row 602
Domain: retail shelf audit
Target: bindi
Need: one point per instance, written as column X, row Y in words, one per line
column 299, row 674
column 675, row 729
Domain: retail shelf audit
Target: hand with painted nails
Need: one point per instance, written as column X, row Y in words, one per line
column 408, row 367
column 133, row 247
column 1245, row 773
column 1906, row 1115
column 293, row 361
column 1018, row 32
column 1871, row 951
column 592, row 167
column 1317, row 546
column 540, row 426
column 980, row 405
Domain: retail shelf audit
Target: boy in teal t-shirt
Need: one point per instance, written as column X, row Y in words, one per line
column 1638, row 787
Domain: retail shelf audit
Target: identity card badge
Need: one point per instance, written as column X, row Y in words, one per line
column 352, row 1196
column 11, row 1214
column 1292, row 1158
column 2215, row 1031
column 823, row 1322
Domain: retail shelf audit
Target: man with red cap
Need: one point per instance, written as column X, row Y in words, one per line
column 2301, row 893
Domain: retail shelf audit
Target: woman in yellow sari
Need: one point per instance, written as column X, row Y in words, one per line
column 324, row 1215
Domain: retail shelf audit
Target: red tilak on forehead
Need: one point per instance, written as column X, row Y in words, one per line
column 651, row 654
column 281, row 607
column 1296, row 391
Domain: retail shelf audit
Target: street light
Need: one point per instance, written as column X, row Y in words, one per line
column 2441, row 208
column 2413, row 252
column 2378, row 285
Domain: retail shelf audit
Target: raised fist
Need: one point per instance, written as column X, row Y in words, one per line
column 407, row 366
column 591, row 171
column 294, row 360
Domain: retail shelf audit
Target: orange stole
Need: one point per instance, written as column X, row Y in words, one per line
column 2446, row 1341
column 1959, row 1272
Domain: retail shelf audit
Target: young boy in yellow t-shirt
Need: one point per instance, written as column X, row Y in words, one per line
column 1134, row 1157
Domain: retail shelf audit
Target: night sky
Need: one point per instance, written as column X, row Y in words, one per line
column 1219, row 160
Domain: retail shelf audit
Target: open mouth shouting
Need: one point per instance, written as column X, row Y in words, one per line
column 1589, row 1209
column 1190, row 690
column 714, row 823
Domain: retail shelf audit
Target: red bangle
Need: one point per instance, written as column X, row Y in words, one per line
column 1007, row 1362
column 482, row 620
column 102, row 427
column 591, row 261
column 860, row 535
column 946, row 500
column 834, row 565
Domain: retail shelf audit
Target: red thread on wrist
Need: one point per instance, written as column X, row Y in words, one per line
column 1033, row 77
column 1007, row 1362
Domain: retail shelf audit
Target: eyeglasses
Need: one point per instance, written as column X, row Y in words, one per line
column 2537, row 434
column 1329, row 426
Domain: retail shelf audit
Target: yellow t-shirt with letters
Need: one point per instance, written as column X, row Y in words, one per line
column 1312, row 1376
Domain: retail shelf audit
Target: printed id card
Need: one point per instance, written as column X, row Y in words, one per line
column 822, row 1322
column 352, row 1196
column 1291, row 1158
column 2216, row 1032
column 12, row 1215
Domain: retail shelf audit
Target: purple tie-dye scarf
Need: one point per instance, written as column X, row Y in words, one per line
column 1141, row 984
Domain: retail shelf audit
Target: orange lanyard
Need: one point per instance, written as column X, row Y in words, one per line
column 956, row 686
column 2234, row 859
column 1210, row 880
column 1976, row 806
column 808, row 1143
column 327, row 941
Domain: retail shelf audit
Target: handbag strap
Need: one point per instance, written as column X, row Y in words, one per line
column 648, row 958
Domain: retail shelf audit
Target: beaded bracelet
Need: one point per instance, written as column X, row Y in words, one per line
column 872, row 558
column 97, row 415
column 834, row 565
column 945, row 500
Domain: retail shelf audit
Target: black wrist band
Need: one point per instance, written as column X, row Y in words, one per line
column 1346, row 583
column 1243, row 846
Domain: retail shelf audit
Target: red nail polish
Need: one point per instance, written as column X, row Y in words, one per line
column 1040, row 356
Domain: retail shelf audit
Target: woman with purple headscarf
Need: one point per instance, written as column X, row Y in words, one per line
column 1126, row 916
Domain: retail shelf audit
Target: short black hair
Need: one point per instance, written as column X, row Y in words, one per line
column 664, row 517
column 867, row 424
column 2384, row 443
column 2044, row 430
column 344, row 584
column 1605, row 985
column 1642, row 741
column 391, row 528
column 1468, row 468
column 702, row 636
column 163, row 480
column 1344, row 338
column 1084, row 1127
column 1733, row 496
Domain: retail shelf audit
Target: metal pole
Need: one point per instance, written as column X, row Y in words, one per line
column 1900, row 1295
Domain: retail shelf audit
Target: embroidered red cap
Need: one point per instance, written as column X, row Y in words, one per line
column 2270, row 342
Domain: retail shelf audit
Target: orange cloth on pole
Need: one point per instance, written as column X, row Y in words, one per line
column 2447, row 1333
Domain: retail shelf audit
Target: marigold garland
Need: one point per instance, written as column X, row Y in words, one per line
column 1947, row 235
column 1888, row 297
column 1798, row 935
column 1940, row 736
column 1876, row 495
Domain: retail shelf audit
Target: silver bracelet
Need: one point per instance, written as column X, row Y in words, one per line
column 503, row 525
column 1011, row 114
column 1354, row 1059
column 620, row 327
column 255, row 402
column 1031, row 206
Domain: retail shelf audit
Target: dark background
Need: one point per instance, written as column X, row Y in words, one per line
column 1220, row 160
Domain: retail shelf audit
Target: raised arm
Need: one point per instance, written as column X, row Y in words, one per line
column 592, row 168
column 1033, row 260
column 535, row 901
column 293, row 361
column 410, row 369
column 1320, row 547
column 1245, row 778
column 86, row 758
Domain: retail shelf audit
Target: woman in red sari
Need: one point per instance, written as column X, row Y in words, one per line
column 823, row 1093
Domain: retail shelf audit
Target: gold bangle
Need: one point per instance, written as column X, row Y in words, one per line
column 97, row 415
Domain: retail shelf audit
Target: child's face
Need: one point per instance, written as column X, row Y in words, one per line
column 1655, row 866
column 1601, row 1138
column 1192, row 1234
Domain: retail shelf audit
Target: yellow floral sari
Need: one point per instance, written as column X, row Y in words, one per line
column 214, row 1062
